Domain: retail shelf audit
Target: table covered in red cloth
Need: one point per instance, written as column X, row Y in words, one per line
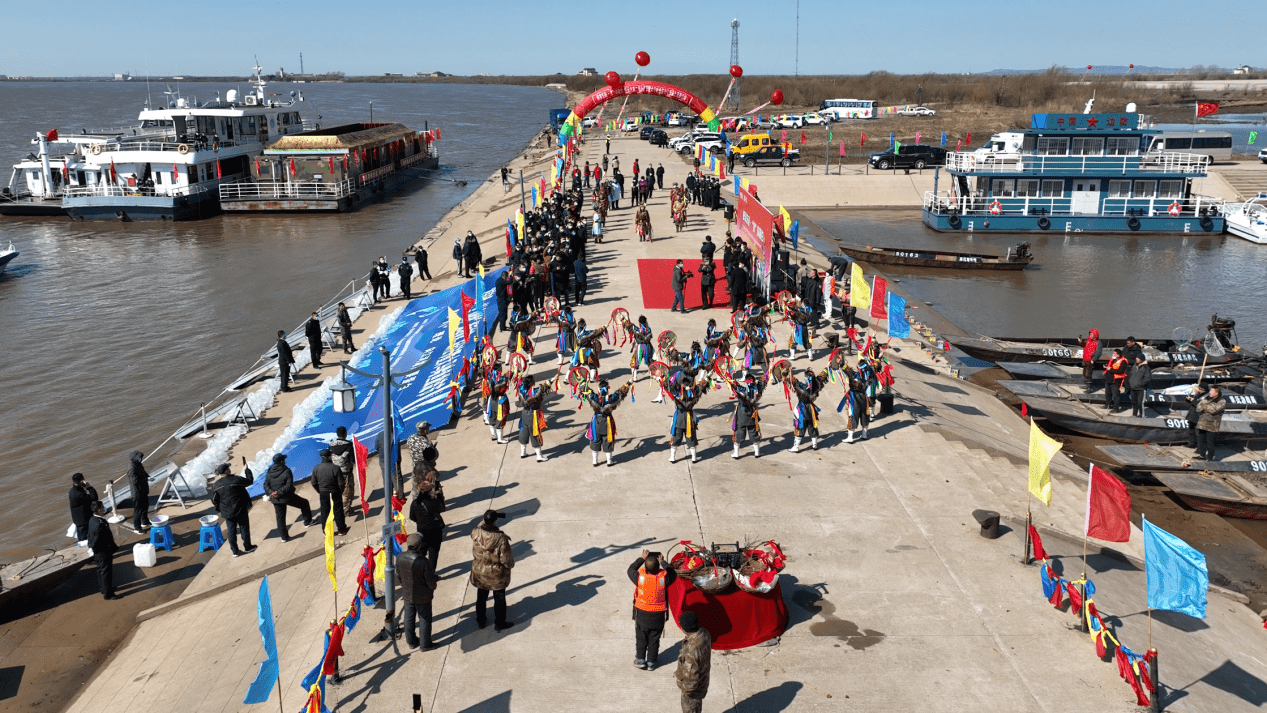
column 735, row 618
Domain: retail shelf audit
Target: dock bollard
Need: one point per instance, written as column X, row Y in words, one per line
column 989, row 521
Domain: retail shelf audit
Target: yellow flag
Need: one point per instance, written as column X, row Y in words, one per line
column 455, row 323
column 480, row 267
column 330, row 550
column 380, row 564
column 859, row 293
column 787, row 219
column 1041, row 449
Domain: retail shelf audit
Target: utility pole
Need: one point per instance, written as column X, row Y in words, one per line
column 301, row 54
column 796, row 68
column 734, row 59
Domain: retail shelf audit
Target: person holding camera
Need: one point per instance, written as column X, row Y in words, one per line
column 650, row 608
column 678, row 283
column 1193, row 416
column 82, row 496
column 491, row 562
column 1210, row 417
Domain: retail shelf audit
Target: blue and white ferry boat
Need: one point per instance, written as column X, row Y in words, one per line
column 1074, row 173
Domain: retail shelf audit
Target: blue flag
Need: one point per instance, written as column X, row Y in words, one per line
column 1177, row 577
column 514, row 234
column 898, row 326
column 943, row 138
column 794, row 234
column 891, row 138
column 262, row 686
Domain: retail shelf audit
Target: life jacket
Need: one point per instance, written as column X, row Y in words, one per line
column 651, row 591
column 1112, row 369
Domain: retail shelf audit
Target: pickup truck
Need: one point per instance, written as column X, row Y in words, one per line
column 771, row 154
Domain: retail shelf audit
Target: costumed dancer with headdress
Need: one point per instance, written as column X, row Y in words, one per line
column 519, row 332
column 602, row 429
column 746, row 424
column 497, row 403
column 754, row 339
column 716, row 342
column 805, row 415
column 855, row 400
column 801, row 338
column 588, row 346
column 566, row 324
column 684, row 426
column 532, row 417
column 643, row 351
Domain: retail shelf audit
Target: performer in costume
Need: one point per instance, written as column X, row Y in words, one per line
column 684, row 426
column 855, row 400
column 801, row 338
column 566, row 340
column 520, row 327
column 716, row 342
column 588, row 346
column 754, row 340
column 532, row 418
column 642, row 350
column 602, row 429
column 805, row 415
column 746, row 424
column 497, row 403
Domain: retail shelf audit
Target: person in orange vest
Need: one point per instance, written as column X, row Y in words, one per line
column 1115, row 373
column 650, row 608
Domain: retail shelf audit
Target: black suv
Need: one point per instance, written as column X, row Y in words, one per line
column 645, row 132
column 909, row 156
column 771, row 154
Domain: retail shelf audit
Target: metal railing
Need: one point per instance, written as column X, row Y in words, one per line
column 136, row 191
column 944, row 202
column 168, row 145
column 1165, row 162
column 280, row 190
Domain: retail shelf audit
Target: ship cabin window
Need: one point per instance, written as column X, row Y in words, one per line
column 1053, row 145
column 1170, row 189
column 1003, row 188
column 250, row 126
column 1121, row 146
column 283, row 118
column 1027, row 187
column 1146, row 189
column 1119, row 189
column 1087, row 145
column 1053, row 188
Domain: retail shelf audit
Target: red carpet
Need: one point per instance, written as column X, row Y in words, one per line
column 656, row 276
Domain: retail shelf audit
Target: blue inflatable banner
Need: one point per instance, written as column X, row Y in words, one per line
column 418, row 337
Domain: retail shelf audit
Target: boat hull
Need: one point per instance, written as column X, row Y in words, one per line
column 1161, row 376
column 1078, row 417
column 32, row 209
column 924, row 258
column 5, row 259
column 946, row 223
column 1228, row 494
column 143, row 208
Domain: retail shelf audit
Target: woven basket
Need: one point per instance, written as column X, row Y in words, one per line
column 713, row 579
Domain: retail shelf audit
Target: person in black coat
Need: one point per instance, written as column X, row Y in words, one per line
column 234, row 505
column 417, row 573
column 406, row 273
column 659, row 175
column 312, row 330
column 420, row 259
column 707, row 280
column 426, row 513
column 471, row 253
column 707, row 248
column 501, row 290
column 373, row 280
column 101, row 542
column 139, row 482
column 82, row 496
column 328, row 481
column 279, row 488
column 285, row 360
column 738, row 285
column 345, row 328
column 582, row 272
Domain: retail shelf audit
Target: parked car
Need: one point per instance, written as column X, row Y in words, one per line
column 658, row 138
column 917, row 111
column 674, row 119
column 909, row 156
column 771, row 154
column 814, row 117
column 713, row 143
column 629, row 125
column 735, row 123
column 589, row 122
column 789, row 121
column 686, row 144
column 1262, row 155
column 645, row 132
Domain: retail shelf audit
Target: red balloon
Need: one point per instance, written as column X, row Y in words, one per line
column 776, row 97
column 613, row 80
column 736, row 71
column 1088, row 66
column 1132, row 66
column 643, row 59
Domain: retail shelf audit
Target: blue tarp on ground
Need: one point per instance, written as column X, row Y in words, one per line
column 419, row 336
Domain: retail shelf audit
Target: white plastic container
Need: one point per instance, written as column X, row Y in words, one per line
column 143, row 554
column 159, row 520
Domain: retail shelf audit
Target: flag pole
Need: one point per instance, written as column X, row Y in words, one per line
column 1029, row 498
column 281, row 707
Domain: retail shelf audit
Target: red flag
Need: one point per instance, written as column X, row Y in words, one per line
column 1206, row 108
column 175, row 173
column 219, row 174
column 334, row 651
column 257, row 167
column 1108, row 508
column 292, row 167
column 804, row 139
column 1039, row 553
column 437, row 133
column 959, row 145
column 114, row 177
column 362, row 461
column 863, row 141
column 969, row 139
column 331, row 160
column 52, row 135
column 879, row 286
column 467, row 304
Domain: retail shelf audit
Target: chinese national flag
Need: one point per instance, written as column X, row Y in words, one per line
column 1108, row 508
column 804, row 139
column 1206, row 108
column 362, row 462
column 467, row 304
column 863, row 141
column 969, row 139
column 52, row 135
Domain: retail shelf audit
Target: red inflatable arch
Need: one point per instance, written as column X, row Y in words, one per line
column 658, row 89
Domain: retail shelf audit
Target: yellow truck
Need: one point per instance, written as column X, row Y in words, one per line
column 751, row 143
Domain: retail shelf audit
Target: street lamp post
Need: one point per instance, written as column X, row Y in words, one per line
column 345, row 402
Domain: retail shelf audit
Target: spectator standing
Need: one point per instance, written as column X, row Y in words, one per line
column 659, row 175
column 581, row 270
column 491, row 563
column 139, row 482
column 707, row 281
column 420, row 259
column 82, row 496
column 427, row 514
column 343, row 455
column 650, row 610
column 471, row 251
column 501, row 290
column 327, row 480
column 234, row 505
column 1140, row 379
column 707, row 248
column 312, row 331
column 678, row 282
column 101, row 542
column 279, row 487
column 285, row 360
column 345, row 328
column 694, row 663
column 418, row 580
column 1210, row 410
column 406, row 273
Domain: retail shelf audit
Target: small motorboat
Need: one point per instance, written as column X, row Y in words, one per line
column 30, row 579
column 1242, row 495
column 1172, row 399
column 1248, row 220
column 1162, row 376
column 1158, row 458
column 6, row 256
column 1017, row 258
column 1237, row 426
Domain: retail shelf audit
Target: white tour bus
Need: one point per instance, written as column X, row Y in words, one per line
column 839, row 109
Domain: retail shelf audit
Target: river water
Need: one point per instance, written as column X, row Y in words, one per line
column 1121, row 284
column 112, row 334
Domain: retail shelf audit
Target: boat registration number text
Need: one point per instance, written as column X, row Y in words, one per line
column 1258, row 466
column 1177, row 423
column 969, row 259
column 1057, row 352
column 1240, row 399
column 1176, row 357
column 920, row 256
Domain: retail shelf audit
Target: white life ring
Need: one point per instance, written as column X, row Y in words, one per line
column 1174, row 209
column 996, row 208
column 96, row 149
column 182, row 149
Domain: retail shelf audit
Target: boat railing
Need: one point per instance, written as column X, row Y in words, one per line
column 168, row 145
column 1164, row 162
column 1037, row 206
column 137, row 191
column 280, row 190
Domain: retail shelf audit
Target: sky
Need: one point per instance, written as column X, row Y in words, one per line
column 503, row 37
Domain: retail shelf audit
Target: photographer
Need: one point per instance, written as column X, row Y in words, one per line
column 651, row 585
column 678, row 283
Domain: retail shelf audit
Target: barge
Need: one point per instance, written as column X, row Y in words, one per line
column 1017, row 258
column 1075, row 173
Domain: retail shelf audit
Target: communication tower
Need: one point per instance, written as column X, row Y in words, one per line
column 734, row 59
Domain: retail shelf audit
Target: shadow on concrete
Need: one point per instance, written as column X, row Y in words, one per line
column 499, row 703
column 1233, row 679
column 571, row 592
column 10, row 681
column 484, row 493
column 1182, row 622
column 771, row 699
column 392, row 661
column 945, row 388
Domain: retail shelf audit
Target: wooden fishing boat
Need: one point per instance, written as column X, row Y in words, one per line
column 1162, row 376
column 1170, row 400
column 1158, row 458
column 1237, row 426
column 1017, row 258
column 27, row 580
column 1242, row 495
